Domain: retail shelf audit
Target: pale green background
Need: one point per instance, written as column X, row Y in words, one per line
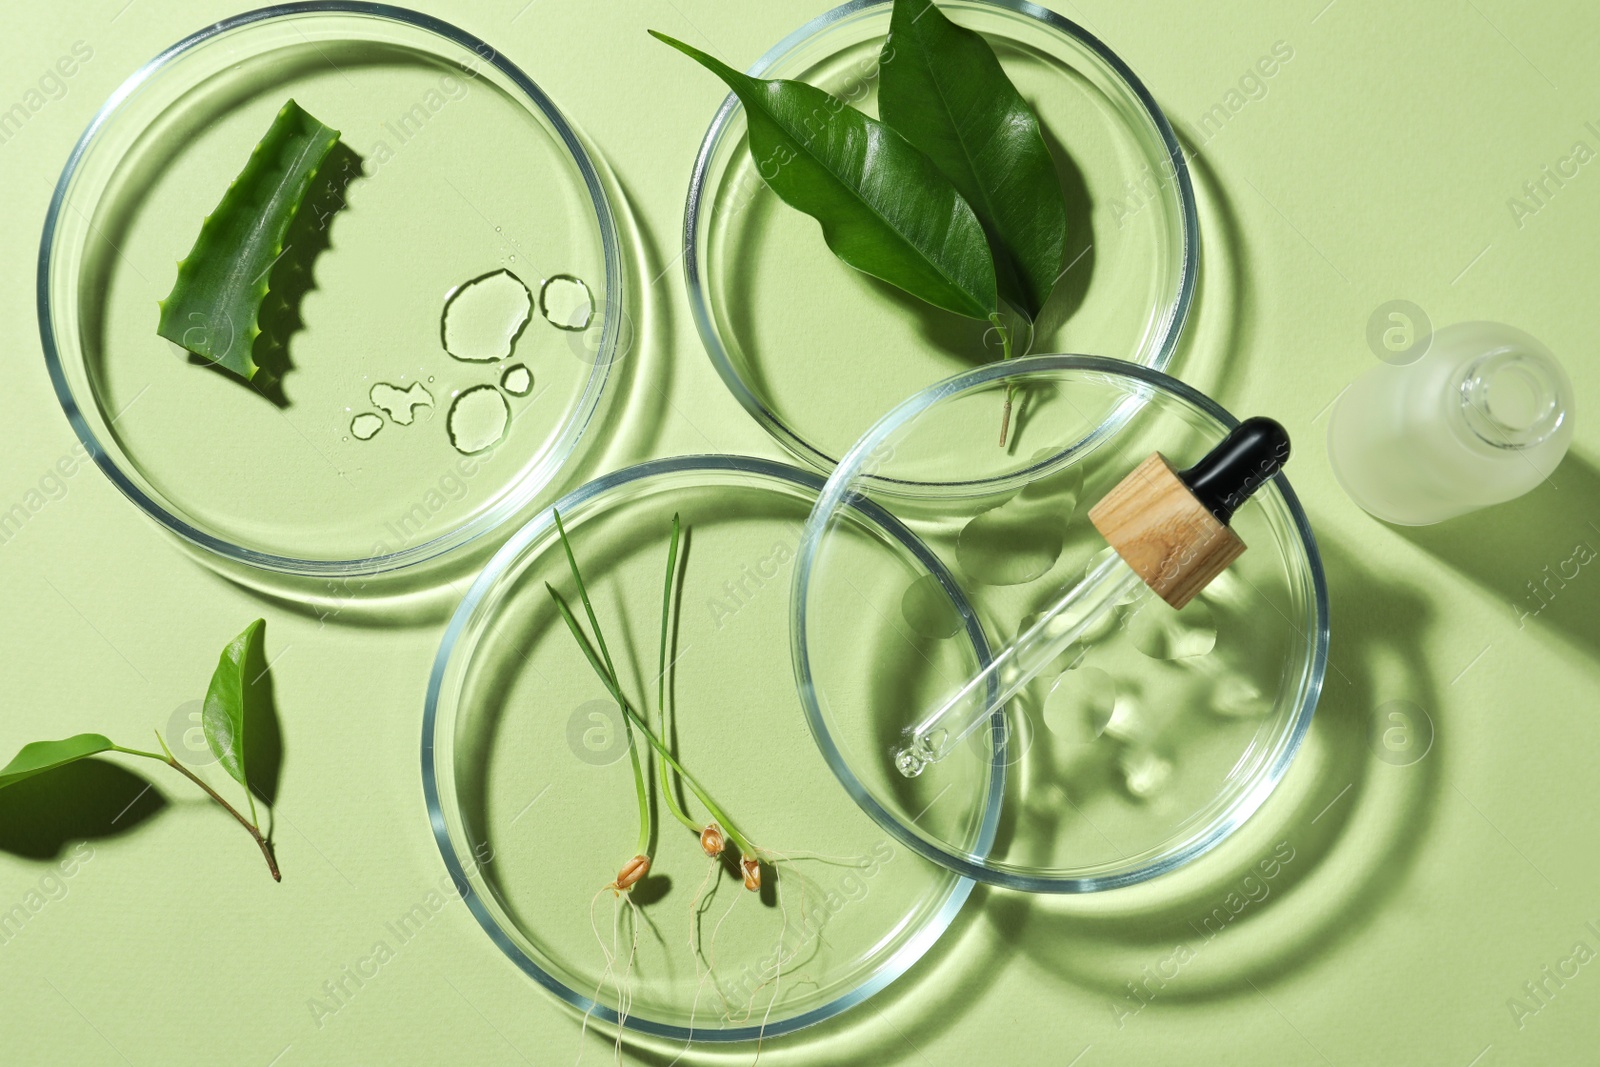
column 1420, row 898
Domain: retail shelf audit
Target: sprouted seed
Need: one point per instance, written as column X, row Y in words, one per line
column 715, row 835
column 632, row 872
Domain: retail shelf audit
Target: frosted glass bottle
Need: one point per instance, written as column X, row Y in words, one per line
column 1483, row 417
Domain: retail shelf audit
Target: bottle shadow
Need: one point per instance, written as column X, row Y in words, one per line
column 1306, row 873
column 1531, row 552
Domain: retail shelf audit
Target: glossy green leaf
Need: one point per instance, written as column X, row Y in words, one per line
column 943, row 89
column 214, row 307
column 223, row 716
column 41, row 756
column 884, row 207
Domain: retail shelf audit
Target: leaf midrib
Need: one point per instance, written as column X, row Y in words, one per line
column 839, row 181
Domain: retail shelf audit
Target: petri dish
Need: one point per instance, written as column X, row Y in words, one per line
column 530, row 788
column 785, row 323
column 453, row 168
column 1144, row 744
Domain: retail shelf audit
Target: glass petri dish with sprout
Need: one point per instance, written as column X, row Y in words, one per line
column 1144, row 742
column 420, row 393
column 530, row 789
column 816, row 352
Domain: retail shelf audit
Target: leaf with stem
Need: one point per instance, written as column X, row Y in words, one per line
column 884, row 207
column 39, row 757
column 943, row 89
column 641, row 784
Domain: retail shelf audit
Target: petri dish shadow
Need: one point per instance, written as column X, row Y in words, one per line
column 1212, row 347
column 1337, row 840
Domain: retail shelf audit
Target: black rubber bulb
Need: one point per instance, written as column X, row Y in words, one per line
column 1256, row 450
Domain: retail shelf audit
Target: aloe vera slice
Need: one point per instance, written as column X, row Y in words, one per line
column 213, row 307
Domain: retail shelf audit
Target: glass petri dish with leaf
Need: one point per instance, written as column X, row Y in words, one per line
column 354, row 372
column 815, row 351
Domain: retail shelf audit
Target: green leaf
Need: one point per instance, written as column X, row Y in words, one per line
column 943, row 89
column 214, row 307
column 223, row 715
column 884, row 207
column 41, row 756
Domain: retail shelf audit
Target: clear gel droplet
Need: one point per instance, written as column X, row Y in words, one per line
column 401, row 404
column 566, row 302
column 1162, row 633
column 365, row 426
column 517, row 380
column 1080, row 704
column 478, row 419
column 927, row 609
column 1146, row 772
column 483, row 317
column 1010, row 545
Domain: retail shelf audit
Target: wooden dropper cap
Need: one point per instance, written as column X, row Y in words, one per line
column 1171, row 527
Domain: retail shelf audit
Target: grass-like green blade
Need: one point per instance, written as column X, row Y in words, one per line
column 214, row 306
column 884, row 207
column 41, row 756
column 224, row 713
column 641, row 784
column 668, row 792
column 943, row 89
column 643, row 727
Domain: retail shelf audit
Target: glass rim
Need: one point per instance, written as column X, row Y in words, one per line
column 912, row 950
column 839, row 489
column 521, row 492
column 1177, row 311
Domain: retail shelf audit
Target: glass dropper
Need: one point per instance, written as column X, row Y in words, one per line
column 1171, row 535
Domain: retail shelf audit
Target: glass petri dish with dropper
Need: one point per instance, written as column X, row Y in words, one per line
column 530, row 789
column 1146, row 741
column 420, row 393
column 816, row 352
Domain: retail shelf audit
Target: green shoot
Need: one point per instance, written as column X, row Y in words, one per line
column 640, row 783
column 739, row 840
column 668, row 790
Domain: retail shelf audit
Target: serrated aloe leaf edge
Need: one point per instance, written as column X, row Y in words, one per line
column 214, row 306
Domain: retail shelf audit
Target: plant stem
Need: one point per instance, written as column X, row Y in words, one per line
column 253, row 829
column 721, row 817
column 1005, row 353
column 641, row 785
column 667, row 789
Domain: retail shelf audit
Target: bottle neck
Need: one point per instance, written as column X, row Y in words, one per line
column 1512, row 399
